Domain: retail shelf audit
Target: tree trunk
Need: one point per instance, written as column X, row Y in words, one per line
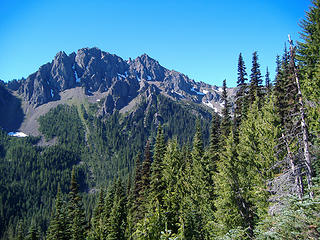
column 306, row 152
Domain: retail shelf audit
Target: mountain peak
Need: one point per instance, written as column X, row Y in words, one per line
column 99, row 72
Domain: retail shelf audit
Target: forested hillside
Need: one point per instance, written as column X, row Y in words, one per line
column 98, row 149
column 174, row 170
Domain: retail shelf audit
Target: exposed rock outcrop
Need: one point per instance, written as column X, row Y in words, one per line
column 99, row 71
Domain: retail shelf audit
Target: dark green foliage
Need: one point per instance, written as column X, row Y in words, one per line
column 285, row 91
column 157, row 185
column 64, row 122
column 214, row 144
column 20, row 233
column 76, row 220
column 146, row 169
column 97, row 220
column 225, row 127
column 241, row 95
column 309, row 67
column 58, row 229
column 117, row 220
column 268, row 84
column 30, row 177
column 33, row 233
column 255, row 88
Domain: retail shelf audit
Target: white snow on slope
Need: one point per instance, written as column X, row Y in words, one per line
column 205, row 91
column 75, row 74
column 209, row 104
column 199, row 93
column 17, row 134
column 179, row 94
column 121, row 75
column 149, row 78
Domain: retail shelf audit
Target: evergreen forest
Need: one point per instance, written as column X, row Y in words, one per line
column 252, row 172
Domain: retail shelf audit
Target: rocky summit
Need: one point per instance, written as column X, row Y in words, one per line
column 106, row 78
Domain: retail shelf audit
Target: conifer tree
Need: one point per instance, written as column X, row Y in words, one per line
column 173, row 180
column 268, row 82
column 76, row 216
column 256, row 158
column 20, row 234
column 107, row 209
column 33, row 233
column 227, row 214
column 214, row 144
column 97, row 214
column 117, row 226
column 225, row 127
column 146, row 172
column 58, row 225
column 308, row 56
column 135, row 198
column 97, row 228
column 255, row 89
column 157, row 185
column 241, row 95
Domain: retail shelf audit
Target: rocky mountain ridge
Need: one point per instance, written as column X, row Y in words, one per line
column 119, row 84
column 96, row 70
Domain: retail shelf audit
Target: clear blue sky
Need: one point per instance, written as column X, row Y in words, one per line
column 199, row 38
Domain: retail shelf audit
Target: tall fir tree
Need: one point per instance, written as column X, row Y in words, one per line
column 97, row 223
column 227, row 214
column 256, row 152
column 157, row 184
column 76, row 215
column 58, row 225
column 117, row 221
column 255, row 89
column 20, row 233
column 225, row 127
column 146, row 171
column 268, row 84
column 135, row 199
column 308, row 56
column 33, row 233
column 214, row 143
column 174, row 184
column 241, row 100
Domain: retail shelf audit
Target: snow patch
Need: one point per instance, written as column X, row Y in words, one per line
column 149, row 78
column 205, row 91
column 138, row 78
column 121, row 75
column 98, row 100
column 75, row 74
column 209, row 104
column 199, row 93
column 179, row 94
column 220, row 89
column 126, row 73
column 77, row 78
column 17, row 134
column 51, row 91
